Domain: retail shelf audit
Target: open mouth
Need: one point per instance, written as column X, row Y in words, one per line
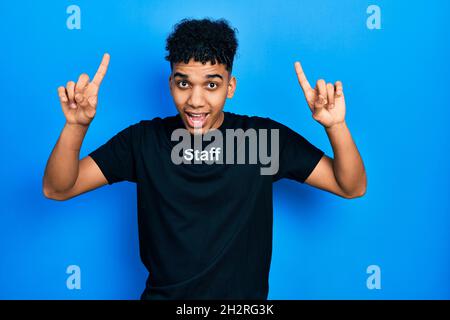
column 196, row 120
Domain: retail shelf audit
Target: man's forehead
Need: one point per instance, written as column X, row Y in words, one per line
column 198, row 69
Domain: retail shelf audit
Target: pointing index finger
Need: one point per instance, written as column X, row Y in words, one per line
column 101, row 70
column 302, row 80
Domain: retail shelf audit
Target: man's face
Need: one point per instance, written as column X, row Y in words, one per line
column 199, row 92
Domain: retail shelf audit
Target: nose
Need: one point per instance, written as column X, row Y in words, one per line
column 196, row 100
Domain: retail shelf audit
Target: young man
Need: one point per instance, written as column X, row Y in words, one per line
column 205, row 228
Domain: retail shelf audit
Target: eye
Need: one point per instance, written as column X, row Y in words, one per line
column 182, row 84
column 213, row 85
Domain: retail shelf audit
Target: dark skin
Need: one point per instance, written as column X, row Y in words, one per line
column 66, row 176
column 201, row 89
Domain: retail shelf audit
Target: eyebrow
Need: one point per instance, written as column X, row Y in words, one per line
column 208, row 76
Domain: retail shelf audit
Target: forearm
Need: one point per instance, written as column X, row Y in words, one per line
column 61, row 171
column 348, row 166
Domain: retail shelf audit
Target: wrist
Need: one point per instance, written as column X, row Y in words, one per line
column 75, row 129
column 72, row 136
column 76, row 126
column 337, row 126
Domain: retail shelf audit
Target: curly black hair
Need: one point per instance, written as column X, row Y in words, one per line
column 204, row 40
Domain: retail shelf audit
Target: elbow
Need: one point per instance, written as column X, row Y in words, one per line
column 356, row 194
column 48, row 194
column 353, row 195
column 52, row 195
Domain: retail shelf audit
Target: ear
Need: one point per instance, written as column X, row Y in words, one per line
column 170, row 83
column 231, row 87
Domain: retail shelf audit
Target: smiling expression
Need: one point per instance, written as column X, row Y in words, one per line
column 199, row 92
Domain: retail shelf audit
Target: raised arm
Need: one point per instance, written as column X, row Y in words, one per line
column 344, row 175
column 65, row 175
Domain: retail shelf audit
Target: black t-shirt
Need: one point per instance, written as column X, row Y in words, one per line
column 205, row 230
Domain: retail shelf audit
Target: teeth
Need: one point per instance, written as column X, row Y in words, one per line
column 196, row 115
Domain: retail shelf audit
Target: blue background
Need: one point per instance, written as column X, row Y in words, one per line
column 395, row 81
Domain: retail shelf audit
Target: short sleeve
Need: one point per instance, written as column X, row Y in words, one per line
column 117, row 157
column 298, row 157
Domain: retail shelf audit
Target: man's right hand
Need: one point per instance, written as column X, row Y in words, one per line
column 79, row 101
